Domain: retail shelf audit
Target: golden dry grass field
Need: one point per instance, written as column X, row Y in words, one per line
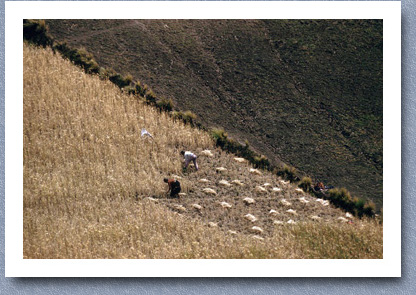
column 93, row 188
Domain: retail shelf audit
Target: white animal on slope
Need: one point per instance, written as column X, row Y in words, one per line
column 255, row 171
column 224, row 183
column 250, row 217
column 276, row 189
column 221, row 169
column 299, row 190
column 248, row 201
column 206, row 153
column 237, row 182
column 267, row 184
column 209, row 191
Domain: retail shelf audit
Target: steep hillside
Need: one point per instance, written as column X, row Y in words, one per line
column 93, row 188
column 306, row 93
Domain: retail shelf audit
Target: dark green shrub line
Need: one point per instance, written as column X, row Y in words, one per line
column 36, row 32
column 221, row 140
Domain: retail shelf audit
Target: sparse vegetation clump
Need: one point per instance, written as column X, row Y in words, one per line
column 289, row 173
column 165, row 105
column 186, row 117
column 306, row 184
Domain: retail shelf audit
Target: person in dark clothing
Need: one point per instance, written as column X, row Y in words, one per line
column 174, row 187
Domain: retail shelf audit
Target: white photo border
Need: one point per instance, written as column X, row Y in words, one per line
column 16, row 266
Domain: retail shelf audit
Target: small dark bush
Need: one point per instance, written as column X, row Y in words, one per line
column 150, row 96
column 119, row 80
column 261, row 162
column 359, row 206
column 36, row 32
column 342, row 198
column 130, row 90
column 220, row 136
column 306, row 184
column 187, row 117
column 289, row 173
column 164, row 105
column 140, row 90
column 369, row 209
column 103, row 73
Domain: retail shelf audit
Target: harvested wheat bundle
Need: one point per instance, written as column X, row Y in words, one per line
column 221, row 169
column 224, row 183
column 255, row 171
column 260, row 189
column 273, row 212
column 248, row 201
column 212, row 224
column 257, row 229
column 250, row 217
column 291, row 211
column 197, row 207
column 240, row 160
column 209, row 191
column 225, row 205
column 206, row 153
column 237, row 182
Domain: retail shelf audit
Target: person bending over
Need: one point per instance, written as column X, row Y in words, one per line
column 188, row 156
column 174, row 187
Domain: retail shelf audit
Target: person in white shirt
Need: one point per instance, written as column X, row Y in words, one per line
column 188, row 158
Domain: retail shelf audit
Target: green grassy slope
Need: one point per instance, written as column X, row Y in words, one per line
column 306, row 93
